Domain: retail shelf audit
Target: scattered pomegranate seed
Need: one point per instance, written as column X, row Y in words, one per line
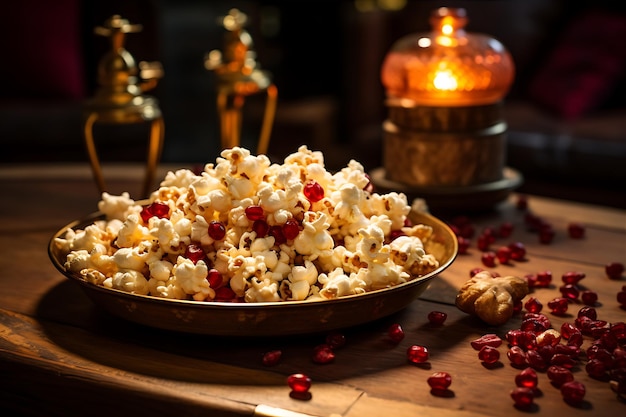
column 589, row 297
column 503, row 254
column 395, row 333
column 569, row 291
column 576, row 230
column 437, row 317
column 489, row 259
column 517, row 356
column 544, row 279
column 572, row 277
column 217, row 230
column 523, row 397
column 194, row 253
column 156, row 209
column 489, row 354
column 272, row 358
column 546, row 234
column 614, row 270
column 518, row 251
column 621, row 297
column 277, row 232
column 483, row 242
column 254, row 213
column 417, row 354
column 559, row 375
column 394, row 234
column 299, row 383
column 490, row 339
column 597, row 369
column 527, row 378
column 535, row 360
column 475, row 271
column 291, row 229
column 215, row 278
column 313, row 191
column 558, row 306
column 563, row 360
column 506, row 229
column 335, row 340
column 587, row 311
column 573, row 392
column 533, row 305
column 261, row 227
column 439, row 381
column 225, row 294
column 323, row 354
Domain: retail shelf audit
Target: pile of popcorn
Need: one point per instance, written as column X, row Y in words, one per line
column 350, row 241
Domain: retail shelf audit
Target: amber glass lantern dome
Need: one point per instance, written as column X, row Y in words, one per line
column 448, row 66
column 445, row 130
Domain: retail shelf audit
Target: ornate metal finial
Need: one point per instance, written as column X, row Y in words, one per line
column 120, row 98
column 238, row 76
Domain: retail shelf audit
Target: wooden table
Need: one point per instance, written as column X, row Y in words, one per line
column 60, row 355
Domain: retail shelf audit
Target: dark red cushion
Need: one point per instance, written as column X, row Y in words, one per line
column 588, row 61
column 42, row 54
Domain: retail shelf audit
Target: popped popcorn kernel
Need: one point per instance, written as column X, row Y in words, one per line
column 344, row 243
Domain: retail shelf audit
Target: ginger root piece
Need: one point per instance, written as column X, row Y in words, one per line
column 491, row 299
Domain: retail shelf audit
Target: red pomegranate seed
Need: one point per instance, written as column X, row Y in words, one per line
column 437, row 317
column 395, row 333
column 618, row 331
column 261, row 227
column 523, row 397
column 225, row 294
column 544, row 279
column 559, row 375
column 589, row 297
column 572, row 277
column 215, row 278
column 217, row 230
column 517, row 307
column 517, row 356
column 614, row 270
column 587, row 311
column 506, row 229
column 475, row 271
column 313, row 191
column 518, row 251
column 621, row 298
column 194, row 253
column 558, row 306
column 489, row 354
column 543, row 320
column 546, row 234
column 569, row 291
column 299, row 383
column 417, row 354
column 576, row 230
column 464, row 244
column 535, row 360
column 567, row 329
column 291, row 228
column 527, row 378
column 490, row 339
column 575, row 339
column 156, row 209
column 488, row 259
column 560, row 359
column 439, row 381
column 335, row 340
column 483, row 242
column 595, row 368
column 272, row 358
column 394, row 234
column 503, row 254
column 533, row 305
column 254, row 213
column 512, row 336
column 323, row 354
column 277, row 232
column 573, row 392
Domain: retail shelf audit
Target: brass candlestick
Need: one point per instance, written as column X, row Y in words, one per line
column 120, row 98
column 238, row 77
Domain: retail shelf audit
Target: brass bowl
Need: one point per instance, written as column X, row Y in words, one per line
column 263, row 319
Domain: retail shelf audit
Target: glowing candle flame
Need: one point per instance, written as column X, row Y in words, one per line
column 445, row 80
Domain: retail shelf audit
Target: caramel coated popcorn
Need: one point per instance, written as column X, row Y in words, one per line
column 249, row 230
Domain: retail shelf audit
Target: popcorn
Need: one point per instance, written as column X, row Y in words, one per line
column 351, row 241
